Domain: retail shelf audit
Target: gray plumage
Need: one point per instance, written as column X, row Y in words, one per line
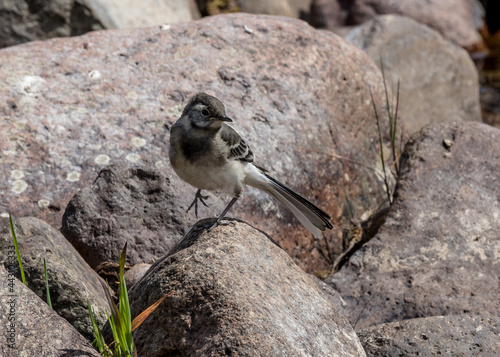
column 210, row 155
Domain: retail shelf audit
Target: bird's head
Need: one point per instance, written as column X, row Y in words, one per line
column 205, row 111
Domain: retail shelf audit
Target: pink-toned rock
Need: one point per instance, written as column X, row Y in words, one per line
column 457, row 20
column 299, row 96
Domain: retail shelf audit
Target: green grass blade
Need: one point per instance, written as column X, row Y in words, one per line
column 116, row 350
column 124, row 303
column 116, row 322
column 99, row 339
column 14, row 238
column 49, row 302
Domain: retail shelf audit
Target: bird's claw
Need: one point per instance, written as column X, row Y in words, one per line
column 197, row 196
column 219, row 223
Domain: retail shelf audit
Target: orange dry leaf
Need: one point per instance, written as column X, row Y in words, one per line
column 144, row 315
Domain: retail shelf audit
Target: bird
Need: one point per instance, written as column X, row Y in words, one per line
column 210, row 155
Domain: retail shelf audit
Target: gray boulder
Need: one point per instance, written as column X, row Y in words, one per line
column 439, row 81
column 125, row 205
column 438, row 251
column 458, row 336
column 71, row 281
column 459, row 21
column 32, row 328
column 235, row 292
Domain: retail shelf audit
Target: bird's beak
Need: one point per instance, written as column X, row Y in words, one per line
column 226, row 119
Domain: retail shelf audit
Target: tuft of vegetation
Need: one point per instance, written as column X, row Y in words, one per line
column 360, row 233
column 119, row 319
column 392, row 106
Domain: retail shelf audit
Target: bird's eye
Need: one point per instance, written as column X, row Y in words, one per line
column 205, row 113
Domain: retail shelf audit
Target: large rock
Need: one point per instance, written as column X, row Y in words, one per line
column 125, row 205
column 438, row 80
column 234, row 292
column 438, row 252
column 71, row 281
column 31, row 328
column 463, row 335
column 299, row 96
column 458, row 21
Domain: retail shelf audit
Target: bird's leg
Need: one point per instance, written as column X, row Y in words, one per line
column 197, row 196
column 217, row 222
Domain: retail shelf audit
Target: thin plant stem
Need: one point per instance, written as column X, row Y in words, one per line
column 14, row 238
column 386, row 182
column 49, row 302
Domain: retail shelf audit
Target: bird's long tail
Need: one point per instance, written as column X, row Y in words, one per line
column 311, row 216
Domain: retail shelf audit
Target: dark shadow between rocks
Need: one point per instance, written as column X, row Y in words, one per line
column 359, row 235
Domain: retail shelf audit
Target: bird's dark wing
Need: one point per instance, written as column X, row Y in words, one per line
column 238, row 148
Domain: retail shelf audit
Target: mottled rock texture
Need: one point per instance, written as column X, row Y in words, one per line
column 459, row 336
column 299, row 96
column 71, row 281
column 438, row 80
column 37, row 329
column 438, row 252
column 123, row 205
column 234, row 292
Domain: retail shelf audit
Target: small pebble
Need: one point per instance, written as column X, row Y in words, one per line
column 247, row 29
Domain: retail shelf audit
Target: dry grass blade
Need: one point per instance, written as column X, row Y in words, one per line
column 144, row 315
column 381, row 144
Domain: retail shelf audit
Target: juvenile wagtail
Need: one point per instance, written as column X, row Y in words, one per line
column 210, row 155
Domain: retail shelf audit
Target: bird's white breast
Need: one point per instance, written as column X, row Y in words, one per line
column 207, row 176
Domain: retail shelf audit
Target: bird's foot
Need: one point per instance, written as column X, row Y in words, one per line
column 197, row 196
column 209, row 226
column 219, row 223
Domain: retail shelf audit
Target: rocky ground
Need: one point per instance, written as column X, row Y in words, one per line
column 84, row 136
